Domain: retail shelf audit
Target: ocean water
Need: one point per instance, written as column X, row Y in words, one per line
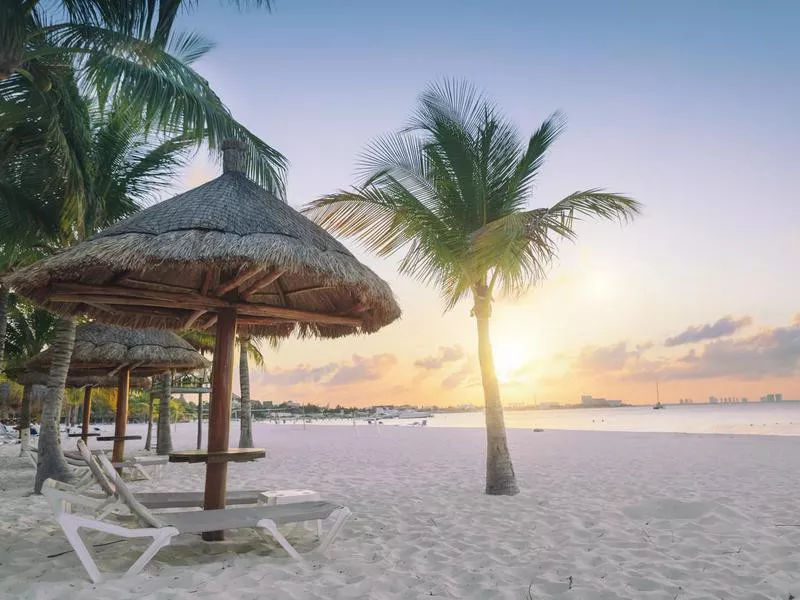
column 753, row 418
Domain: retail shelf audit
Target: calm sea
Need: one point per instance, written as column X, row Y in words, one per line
column 754, row 418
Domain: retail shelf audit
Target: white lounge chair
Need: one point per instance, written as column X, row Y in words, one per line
column 163, row 527
column 152, row 500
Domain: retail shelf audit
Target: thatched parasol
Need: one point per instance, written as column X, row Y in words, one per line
column 223, row 252
column 25, row 376
column 109, row 353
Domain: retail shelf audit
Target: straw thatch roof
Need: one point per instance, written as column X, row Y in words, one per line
column 102, row 349
column 225, row 243
column 29, row 377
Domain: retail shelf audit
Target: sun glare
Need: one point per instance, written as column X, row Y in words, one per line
column 509, row 358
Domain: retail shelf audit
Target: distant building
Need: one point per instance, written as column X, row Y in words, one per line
column 590, row 402
column 772, row 398
column 713, row 400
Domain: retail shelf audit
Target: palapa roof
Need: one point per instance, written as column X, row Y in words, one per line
column 225, row 243
column 29, row 377
column 102, row 350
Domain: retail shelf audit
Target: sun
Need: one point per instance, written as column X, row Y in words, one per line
column 509, row 358
column 600, row 285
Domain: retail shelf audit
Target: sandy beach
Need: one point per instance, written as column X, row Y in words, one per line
column 600, row 515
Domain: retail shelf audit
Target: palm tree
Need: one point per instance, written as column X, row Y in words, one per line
column 164, row 436
column 452, row 190
column 125, row 51
column 29, row 331
column 247, row 350
column 120, row 167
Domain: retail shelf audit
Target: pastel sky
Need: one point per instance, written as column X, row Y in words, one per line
column 691, row 107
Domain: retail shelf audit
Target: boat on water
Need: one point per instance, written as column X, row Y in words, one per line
column 657, row 405
column 390, row 413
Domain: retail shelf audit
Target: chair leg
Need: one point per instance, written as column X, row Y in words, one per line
column 270, row 526
column 341, row 516
column 81, row 549
column 158, row 542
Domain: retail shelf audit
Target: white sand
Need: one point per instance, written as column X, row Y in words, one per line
column 619, row 515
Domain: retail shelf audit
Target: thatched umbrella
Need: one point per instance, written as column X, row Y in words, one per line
column 25, row 376
column 106, row 353
column 223, row 252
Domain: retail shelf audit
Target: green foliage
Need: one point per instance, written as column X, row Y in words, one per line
column 452, row 190
column 29, row 331
column 121, row 52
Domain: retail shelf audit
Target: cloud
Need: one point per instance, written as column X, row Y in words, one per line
column 609, row 358
column 723, row 327
column 364, row 369
column 465, row 376
column 445, row 355
column 360, row 368
column 298, row 374
column 769, row 353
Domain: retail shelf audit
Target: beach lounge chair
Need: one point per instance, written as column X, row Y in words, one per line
column 152, row 500
column 162, row 527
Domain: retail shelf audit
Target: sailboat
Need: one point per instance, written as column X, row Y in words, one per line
column 658, row 404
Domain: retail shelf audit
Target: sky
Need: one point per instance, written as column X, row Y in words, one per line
column 690, row 107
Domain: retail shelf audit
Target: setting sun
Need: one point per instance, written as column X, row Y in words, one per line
column 509, row 358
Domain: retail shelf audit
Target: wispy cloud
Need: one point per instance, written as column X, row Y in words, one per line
column 609, row 358
column 723, row 327
column 359, row 368
column 364, row 369
column 446, row 354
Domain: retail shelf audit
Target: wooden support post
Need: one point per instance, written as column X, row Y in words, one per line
column 219, row 414
column 121, row 421
column 87, row 410
column 199, row 420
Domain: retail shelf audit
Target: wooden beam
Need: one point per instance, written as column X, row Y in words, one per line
column 241, row 278
column 208, row 280
column 210, row 322
column 155, row 286
column 111, row 290
column 219, row 414
column 193, row 318
column 126, row 301
column 316, row 288
column 292, row 314
column 261, row 283
column 245, row 320
column 108, row 309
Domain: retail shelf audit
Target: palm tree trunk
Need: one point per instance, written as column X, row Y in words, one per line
column 3, row 327
column 199, row 420
column 149, row 437
column 25, row 420
column 51, row 461
column 245, row 414
column 164, row 437
column 3, row 322
column 500, row 478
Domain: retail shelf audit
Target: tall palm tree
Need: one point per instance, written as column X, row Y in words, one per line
column 29, row 331
column 121, row 166
column 452, row 190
